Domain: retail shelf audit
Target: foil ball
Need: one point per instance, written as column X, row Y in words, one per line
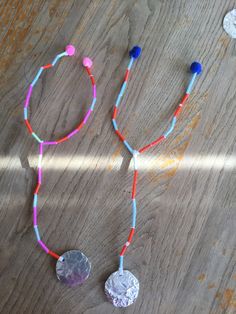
column 122, row 290
column 73, row 268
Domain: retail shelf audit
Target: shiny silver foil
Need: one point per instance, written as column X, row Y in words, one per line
column 229, row 23
column 122, row 290
column 73, row 268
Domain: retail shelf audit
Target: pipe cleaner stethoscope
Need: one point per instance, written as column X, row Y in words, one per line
column 122, row 287
column 73, row 267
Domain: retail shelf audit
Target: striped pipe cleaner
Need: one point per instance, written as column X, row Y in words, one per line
column 196, row 69
column 87, row 63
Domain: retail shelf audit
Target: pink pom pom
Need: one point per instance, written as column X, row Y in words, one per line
column 87, row 62
column 70, row 49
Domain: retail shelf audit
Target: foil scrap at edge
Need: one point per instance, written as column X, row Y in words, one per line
column 229, row 23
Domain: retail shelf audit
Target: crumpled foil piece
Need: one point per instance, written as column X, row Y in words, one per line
column 73, row 268
column 122, row 290
column 229, row 23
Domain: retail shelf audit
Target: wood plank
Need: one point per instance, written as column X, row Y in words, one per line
column 184, row 250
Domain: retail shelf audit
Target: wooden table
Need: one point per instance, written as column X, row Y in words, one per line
column 184, row 249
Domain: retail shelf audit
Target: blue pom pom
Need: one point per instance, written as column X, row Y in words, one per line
column 196, row 67
column 135, row 52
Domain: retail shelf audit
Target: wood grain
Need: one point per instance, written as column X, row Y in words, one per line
column 184, row 249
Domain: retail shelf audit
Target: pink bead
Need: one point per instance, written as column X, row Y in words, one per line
column 70, row 49
column 87, row 62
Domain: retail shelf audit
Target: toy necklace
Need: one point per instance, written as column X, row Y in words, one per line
column 73, row 267
column 122, row 287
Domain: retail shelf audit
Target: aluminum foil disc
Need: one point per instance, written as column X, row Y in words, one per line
column 122, row 290
column 229, row 23
column 73, row 268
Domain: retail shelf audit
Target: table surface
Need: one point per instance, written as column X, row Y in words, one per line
column 184, row 250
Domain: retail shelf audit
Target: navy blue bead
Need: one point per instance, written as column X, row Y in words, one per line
column 196, row 67
column 135, row 52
